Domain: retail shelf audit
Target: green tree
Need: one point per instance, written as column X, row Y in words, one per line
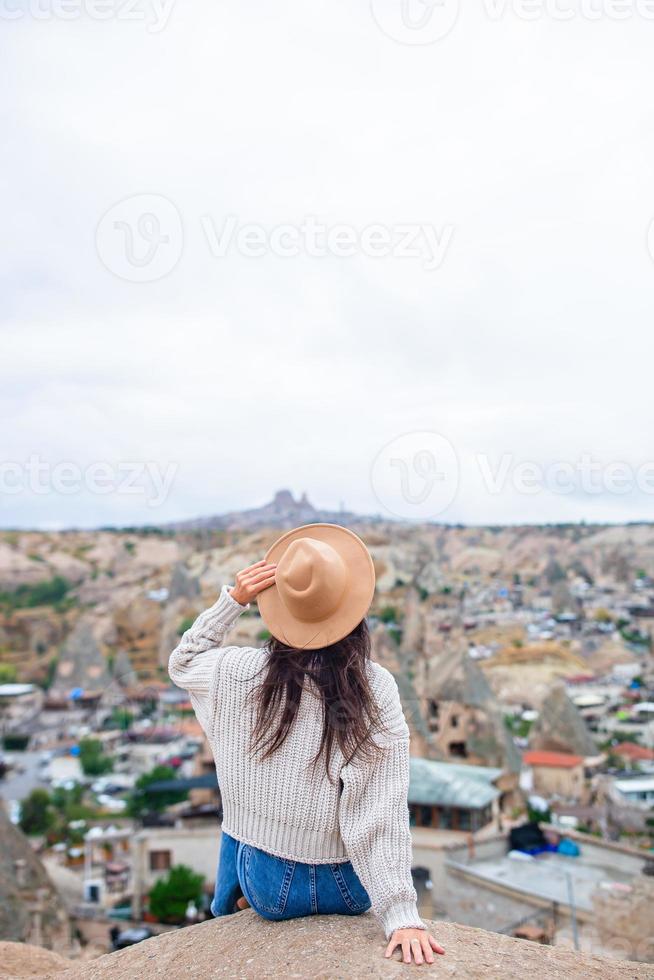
column 51, row 670
column 36, row 813
column 636, row 637
column 141, row 801
column 388, row 614
column 185, row 625
column 8, row 674
column 538, row 816
column 46, row 593
column 395, row 634
column 171, row 894
column 64, row 799
column 122, row 718
column 92, row 758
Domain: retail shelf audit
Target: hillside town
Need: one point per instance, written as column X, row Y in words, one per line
column 523, row 656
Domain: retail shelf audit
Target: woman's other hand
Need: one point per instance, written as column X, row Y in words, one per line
column 251, row 581
column 417, row 945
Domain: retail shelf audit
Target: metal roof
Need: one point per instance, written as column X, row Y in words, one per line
column 642, row 785
column 205, row 781
column 451, row 784
column 15, row 690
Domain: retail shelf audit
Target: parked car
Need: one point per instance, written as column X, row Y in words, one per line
column 121, row 939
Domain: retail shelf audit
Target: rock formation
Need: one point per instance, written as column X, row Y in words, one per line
column 182, row 584
column 115, row 573
column 25, row 960
column 560, row 727
column 283, row 511
column 331, row 947
column 82, row 663
column 122, row 670
column 624, row 918
column 455, row 687
column 413, row 626
column 30, row 907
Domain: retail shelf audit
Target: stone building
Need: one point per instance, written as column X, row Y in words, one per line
column 554, row 774
column 462, row 714
column 447, row 796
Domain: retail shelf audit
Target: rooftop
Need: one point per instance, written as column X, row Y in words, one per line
column 555, row 760
column 15, row 690
column 451, row 784
column 633, row 751
column 645, row 784
column 546, row 876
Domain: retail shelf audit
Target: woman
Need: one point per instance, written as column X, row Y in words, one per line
column 310, row 743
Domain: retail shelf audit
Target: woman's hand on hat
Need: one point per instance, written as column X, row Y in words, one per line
column 416, row 945
column 253, row 580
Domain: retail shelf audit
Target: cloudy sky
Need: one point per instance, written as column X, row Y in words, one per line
column 392, row 254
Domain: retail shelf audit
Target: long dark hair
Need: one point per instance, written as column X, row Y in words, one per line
column 339, row 676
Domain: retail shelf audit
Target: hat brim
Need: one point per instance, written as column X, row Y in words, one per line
column 354, row 605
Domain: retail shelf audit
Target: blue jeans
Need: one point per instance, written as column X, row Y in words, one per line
column 280, row 889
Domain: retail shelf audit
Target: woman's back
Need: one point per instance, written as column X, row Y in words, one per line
column 285, row 801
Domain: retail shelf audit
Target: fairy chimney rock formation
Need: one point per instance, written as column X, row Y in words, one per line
column 30, row 907
column 560, row 727
column 182, row 584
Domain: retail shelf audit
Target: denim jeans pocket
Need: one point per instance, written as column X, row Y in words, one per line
column 352, row 891
column 268, row 880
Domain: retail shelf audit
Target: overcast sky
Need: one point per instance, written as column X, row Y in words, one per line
column 248, row 246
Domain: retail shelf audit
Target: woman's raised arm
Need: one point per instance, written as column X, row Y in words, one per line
column 193, row 662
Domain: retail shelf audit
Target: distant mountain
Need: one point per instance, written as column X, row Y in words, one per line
column 283, row 512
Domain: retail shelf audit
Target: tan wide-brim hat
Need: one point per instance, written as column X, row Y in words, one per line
column 324, row 585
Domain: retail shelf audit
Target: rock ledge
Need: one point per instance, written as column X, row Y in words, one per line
column 331, row 947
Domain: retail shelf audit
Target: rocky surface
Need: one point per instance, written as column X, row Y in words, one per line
column 560, row 727
column 245, row 946
column 82, row 662
column 282, row 512
column 24, row 888
column 182, row 585
column 624, row 919
column 21, row 960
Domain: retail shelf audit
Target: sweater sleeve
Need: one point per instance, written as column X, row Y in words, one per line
column 374, row 819
column 193, row 661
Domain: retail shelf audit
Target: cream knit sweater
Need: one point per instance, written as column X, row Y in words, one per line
column 281, row 804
